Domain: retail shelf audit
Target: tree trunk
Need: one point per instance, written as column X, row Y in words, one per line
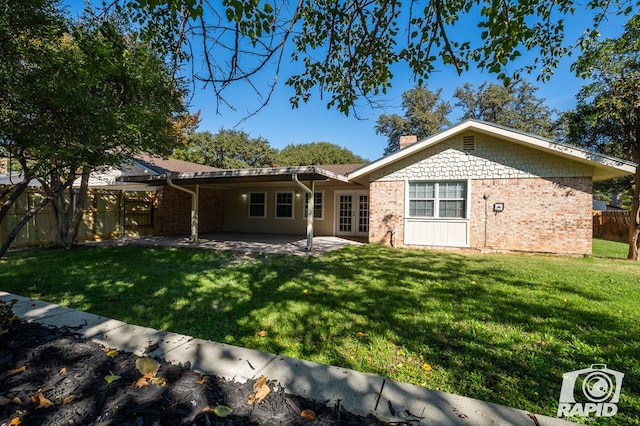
column 14, row 193
column 16, row 229
column 634, row 225
column 61, row 203
column 78, row 210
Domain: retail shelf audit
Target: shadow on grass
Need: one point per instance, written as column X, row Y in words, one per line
column 458, row 323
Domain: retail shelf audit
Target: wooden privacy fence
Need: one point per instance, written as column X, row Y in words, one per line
column 612, row 225
column 109, row 214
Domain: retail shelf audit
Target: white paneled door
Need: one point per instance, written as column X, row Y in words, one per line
column 352, row 213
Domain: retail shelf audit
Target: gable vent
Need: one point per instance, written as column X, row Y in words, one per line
column 468, row 144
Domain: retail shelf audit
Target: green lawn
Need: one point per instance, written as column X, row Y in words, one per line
column 502, row 328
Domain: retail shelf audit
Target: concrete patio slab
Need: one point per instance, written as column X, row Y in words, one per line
column 243, row 243
column 360, row 393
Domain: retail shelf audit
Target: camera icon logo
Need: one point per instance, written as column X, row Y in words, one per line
column 594, row 390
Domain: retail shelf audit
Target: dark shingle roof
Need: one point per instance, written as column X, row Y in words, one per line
column 341, row 169
column 162, row 166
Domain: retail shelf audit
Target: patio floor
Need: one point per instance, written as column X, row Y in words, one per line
column 247, row 243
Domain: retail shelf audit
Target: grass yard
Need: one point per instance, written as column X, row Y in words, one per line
column 502, row 328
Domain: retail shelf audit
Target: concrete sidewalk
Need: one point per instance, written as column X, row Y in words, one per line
column 360, row 393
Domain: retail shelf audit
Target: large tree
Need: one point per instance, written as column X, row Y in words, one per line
column 347, row 49
column 316, row 153
column 425, row 113
column 85, row 96
column 514, row 105
column 227, row 149
column 607, row 117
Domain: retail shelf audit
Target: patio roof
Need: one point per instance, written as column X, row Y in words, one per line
column 269, row 174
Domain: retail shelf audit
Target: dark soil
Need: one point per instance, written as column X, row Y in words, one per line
column 70, row 371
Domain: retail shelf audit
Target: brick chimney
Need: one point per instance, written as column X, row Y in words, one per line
column 407, row 140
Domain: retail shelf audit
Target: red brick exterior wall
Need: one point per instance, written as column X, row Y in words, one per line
column 540, row 215
column 386, row 212
column 173, row 211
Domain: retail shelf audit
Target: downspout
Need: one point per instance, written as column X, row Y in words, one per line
column 194, row 208
column 308, row 191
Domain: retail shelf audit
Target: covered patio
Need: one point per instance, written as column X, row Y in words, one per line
column 279, row 204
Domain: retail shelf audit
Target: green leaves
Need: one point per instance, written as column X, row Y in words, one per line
column 110, row 378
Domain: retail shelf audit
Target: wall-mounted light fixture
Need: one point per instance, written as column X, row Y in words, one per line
column 244, row 196
column 297, row 195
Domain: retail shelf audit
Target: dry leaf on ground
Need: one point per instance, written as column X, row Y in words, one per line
column 42, row 401
column 17, row 370
column 308, row 414
column 261, row 390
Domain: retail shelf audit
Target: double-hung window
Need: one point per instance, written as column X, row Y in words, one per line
column 317, row 205
column 438, row 199
column 284, row 205
column 257, row 204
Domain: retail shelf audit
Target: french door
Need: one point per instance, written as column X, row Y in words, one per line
column 352, row 213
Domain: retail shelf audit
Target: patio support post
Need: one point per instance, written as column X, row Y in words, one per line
column 194, row 208
column 309, row 191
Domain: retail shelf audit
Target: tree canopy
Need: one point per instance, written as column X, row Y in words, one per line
column 607, row 117
column 514, row 105
column 227, row 149
column 425, row 113
column 347, row 50
column 316, row 153
column 235, row 149
column 74, row 97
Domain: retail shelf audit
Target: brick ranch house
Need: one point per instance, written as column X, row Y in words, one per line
column 474, row 186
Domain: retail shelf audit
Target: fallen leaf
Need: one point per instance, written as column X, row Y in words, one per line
column 361, row 334
column 262, row 333
column 41, row 401
column 112, row 353
column 160, row 381
column 111, row 378
column 426, row 367
column 147, row 366
column 17, row 370
column 63, row 370
column 261, row 390
column 15, row 421
column 68, row 399
column 17, row 401
column 203, row 380
column 305, row 291
column 222, row 411
column 142, row 382
column 308, row 414
column 4, row 400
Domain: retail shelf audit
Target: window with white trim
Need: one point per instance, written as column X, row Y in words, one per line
column 258, row 204
column 318, row 210
column 284, row 205
column 438, row 199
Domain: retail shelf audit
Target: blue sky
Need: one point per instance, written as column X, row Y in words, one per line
column 312, row 122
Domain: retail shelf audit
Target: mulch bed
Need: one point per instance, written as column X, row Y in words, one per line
column 69, row 372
